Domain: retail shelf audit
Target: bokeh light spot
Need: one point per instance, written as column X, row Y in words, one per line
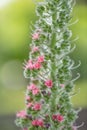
column 11, row 75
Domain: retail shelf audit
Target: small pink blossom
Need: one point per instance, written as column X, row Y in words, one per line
column 28, row 98
column 49, row 83
column 31, row 87
column 29, row 65
column 35, row 36
column 41, row 59
column 54, row 117
column 35, row 49
column 58, row 117
column 35, row 91
column 38, row 122
column 35, row 123
column 37, row 65
column 29, row 105
column 62, row 85
column 21, row 114
column 37, row 107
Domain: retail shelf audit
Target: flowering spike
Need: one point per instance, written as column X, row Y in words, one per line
column 49, row 69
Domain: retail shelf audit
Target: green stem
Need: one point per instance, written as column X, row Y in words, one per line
column 54, row 18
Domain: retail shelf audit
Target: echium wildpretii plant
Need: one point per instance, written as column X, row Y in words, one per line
column 49, row 70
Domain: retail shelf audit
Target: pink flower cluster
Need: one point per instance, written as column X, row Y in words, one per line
column 21, row 114
column 58, row 117
column 36, row 106
column 49, row 83
column 35, row 90
column 36, row 65
column 38, row 122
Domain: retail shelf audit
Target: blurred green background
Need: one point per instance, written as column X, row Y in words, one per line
column 16, row 17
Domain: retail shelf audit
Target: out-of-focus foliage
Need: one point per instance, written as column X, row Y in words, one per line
column 15, row 20
column 80, row 30
column 82, row 1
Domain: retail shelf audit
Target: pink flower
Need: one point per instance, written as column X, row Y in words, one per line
column 35, row 36
column 29, row 105
column 35, row 123
column 21, row 114
column 35, row 49
column 29, row 65
column 62, row 85
column 35, row 91
column 54, row 117
column 41, row 59
column 31, row 87
column 37, row 106
column 37, row 65
column 49, row 83
column 38, row 122
column 28, row 98
column 60, row 118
